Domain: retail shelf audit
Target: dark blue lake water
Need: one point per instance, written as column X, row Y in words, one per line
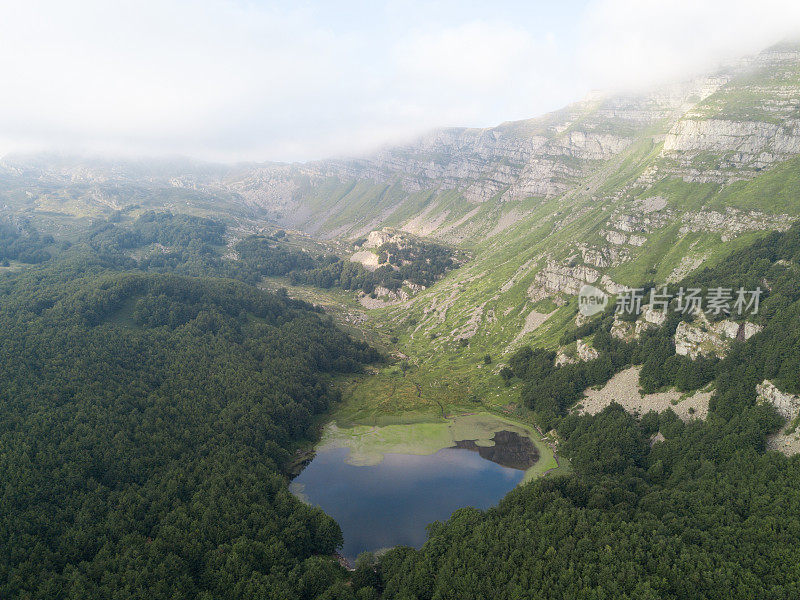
column 389, row 504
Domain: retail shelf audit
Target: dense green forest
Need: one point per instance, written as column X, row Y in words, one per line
column 145, row 424
column 703, row 514
column 21, row 241
column 148, row 416
column 421, row 263
column 167, row 243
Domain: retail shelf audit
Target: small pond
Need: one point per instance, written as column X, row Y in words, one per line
column 384, row 485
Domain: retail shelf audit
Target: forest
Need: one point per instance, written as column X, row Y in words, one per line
column 167, row 243
column 421, row 263
column 149, row 416
column 177, row 243
column 20, row 241
column 146, row 423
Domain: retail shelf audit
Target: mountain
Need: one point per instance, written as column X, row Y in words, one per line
column 726, row 127
column 614, row 191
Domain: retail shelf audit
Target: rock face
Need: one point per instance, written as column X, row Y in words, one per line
column 585, row 351
column 564, row 359
column 702, row 338
column 376, row 239
column 555, row 278
column 787, row 405
column 368, row 256
column 622, row 330
column 733, row 222
column 387, row 235
column 515, row 161
column 637, row 240
column 368, row 259
column 751, row 142
column 723, row 138
column 540, row 157
column 616, row 238
column 650, row 319
column 383, row 296
column 596, row 258
column 692, row 341
column 543, row 157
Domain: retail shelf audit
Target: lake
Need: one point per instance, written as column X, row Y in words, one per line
column 382, row 497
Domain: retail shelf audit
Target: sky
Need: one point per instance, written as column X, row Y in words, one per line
column 234, row 80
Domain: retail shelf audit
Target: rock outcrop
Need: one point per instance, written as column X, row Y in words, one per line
column 649, row 319
column 368, row 259
column 722, row 139
column 733, row 222
column 387, row 235
column 788, row 405
column 562, row 358
column 623, row 330
column 585, row 352
column 702, row 338
column 555, row 278
column 627, row 331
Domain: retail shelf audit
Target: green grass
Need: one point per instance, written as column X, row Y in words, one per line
column 774, row 191
column 369, row 443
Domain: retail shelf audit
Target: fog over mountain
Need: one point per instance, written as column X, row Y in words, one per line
column 263, row 81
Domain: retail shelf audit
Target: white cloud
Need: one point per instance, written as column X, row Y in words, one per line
column 471, row 56
column 146, row 75
column 235, row 79
column 637, row 43
column 475, row 73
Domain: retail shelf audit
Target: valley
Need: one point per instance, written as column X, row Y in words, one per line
column 397, row 339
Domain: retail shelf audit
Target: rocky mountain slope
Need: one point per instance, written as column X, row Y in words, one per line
column 613, row 191
column 727, row 127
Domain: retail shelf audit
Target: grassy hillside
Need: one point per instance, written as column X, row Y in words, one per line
column 652, row 214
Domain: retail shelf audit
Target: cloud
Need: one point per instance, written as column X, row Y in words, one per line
column 470, row 56
column 474, row 73
column 238, row 79
column 639, row 43
column 178, row 75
